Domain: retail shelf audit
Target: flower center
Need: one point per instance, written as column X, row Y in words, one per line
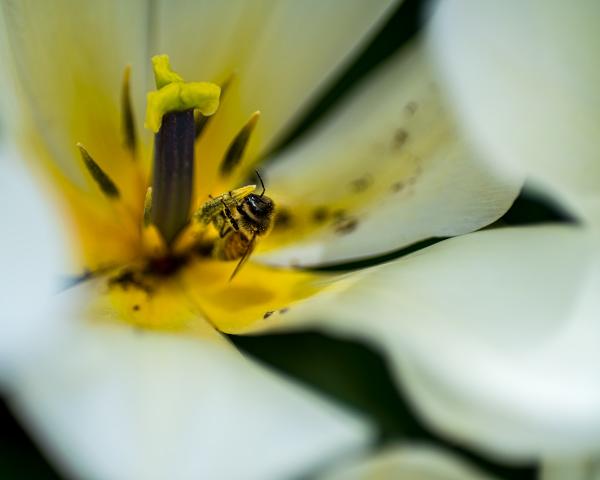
column 176, row 113
column 185, row 248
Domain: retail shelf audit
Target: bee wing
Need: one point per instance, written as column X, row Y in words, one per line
column 245, row 257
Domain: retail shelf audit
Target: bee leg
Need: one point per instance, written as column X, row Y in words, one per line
column 245, row 256
column 225, row 229
column 232, row 220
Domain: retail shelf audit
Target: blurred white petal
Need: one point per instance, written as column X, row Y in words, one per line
column 494, row 334
column 110, row 401
column 392, row 161
column 32, row 255
column 571, row 469
column 8, row 107
column 408, row 462
column 524, row 80
column 283, row 52
column 70, row 59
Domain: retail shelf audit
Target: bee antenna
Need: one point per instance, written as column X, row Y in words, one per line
column 262, row 184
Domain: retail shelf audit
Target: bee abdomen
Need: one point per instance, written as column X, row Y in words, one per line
column 232, row 247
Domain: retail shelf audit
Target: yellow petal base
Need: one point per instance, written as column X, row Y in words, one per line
column 201, row 293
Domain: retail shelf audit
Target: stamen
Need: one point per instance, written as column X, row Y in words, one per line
column 107, row 186
column 128, row 120
column 147, row 206
column 236, row 149
column 173, row 173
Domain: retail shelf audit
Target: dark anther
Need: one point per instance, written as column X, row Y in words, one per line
column 107, row 186
column 236, row 149
column 128, row 121
column 173, row 173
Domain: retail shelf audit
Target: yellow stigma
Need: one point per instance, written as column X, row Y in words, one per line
column 175, row 95
column 163, row 75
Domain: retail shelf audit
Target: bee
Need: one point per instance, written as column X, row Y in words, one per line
column 240, row 216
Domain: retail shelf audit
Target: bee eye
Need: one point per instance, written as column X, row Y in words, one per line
column 259, row 205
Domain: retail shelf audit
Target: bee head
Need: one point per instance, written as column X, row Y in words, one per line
column 258, row 211
column 260, row 205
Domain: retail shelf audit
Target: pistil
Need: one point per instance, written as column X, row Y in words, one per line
column 173, row 173
column 170, row 115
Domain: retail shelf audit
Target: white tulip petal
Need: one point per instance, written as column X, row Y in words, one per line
column 70, row 58
column 494, row 334
column 283, row 52
column 200, row 35
column 8, row 108
column 524, row 81
column 408, row 462
column 391, row 161
column 298, row 52
column 32, row 256
column 111, row 401
column 571, row 469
